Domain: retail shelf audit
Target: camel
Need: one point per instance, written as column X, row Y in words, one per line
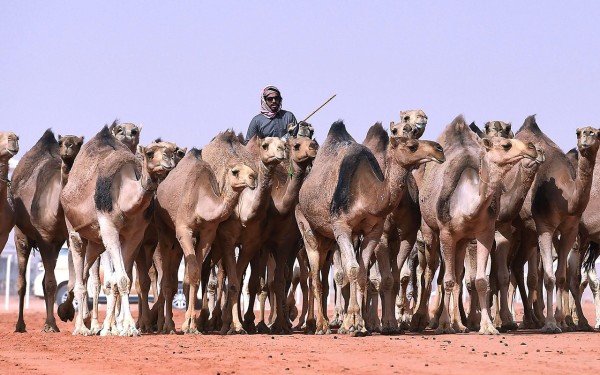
column 244, row 228
column 127, row 133
column 412, row 124
column 347, row 194
column 554, row 205
column 111, row 213
column 190, row 207
column 459, row 202
column 516, row 185
column 9, row 147
column 40, row 223
column 281, row 231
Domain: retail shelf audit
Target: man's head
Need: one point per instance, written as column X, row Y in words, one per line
column 270, row 101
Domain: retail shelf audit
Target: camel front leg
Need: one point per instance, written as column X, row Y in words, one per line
column 23, row 250
column 187, row 242
column 388, row 319
column 429, row 262
column 77, row 247
column 231, row 316
column 595, row 288
column 448, row 251
column 484, row 245
column 94, row 281
column 503, row 243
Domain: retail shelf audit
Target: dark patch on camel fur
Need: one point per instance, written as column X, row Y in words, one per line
column 591, row 254
column 356, row 154
column 102, row 196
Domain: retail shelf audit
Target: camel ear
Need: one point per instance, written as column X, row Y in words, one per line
column 487, row 143
column 396, row 141
column 81, row 140
column 140, row 149
column 391, row 124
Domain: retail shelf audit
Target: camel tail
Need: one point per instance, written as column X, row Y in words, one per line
column 341, row 196
column 591, row 254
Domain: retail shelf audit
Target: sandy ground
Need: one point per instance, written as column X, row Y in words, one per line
column 519, row 352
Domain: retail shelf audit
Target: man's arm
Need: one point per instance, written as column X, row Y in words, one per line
column 252, row 130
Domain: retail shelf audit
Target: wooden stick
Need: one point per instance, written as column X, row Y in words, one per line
column 322, row 105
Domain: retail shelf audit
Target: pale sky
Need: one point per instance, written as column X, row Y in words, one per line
column 186, row 70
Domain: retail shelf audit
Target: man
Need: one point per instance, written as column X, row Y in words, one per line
column 272, row 121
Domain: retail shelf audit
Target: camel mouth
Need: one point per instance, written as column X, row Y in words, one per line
column 12, row 151
column 167, row 167
column 434, row 159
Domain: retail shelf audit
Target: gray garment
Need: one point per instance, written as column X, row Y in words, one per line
column 263, row 126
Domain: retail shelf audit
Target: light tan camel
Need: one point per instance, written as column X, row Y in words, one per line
column 554, row 205
column 244, row 228
column 412, row 124
column 9, row 147
column 127, row 133
column 281, row 232
column 345, row 195
column 36, row 187
column 459, row 202
column 190, row 206
column 111, row 213
column 515, row 187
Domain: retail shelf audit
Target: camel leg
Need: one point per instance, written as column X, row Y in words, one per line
column 169, row 257
column 143, row 264
column 66, row 310
column 94, row 280
column 316, row 260
column 256, row 284
column 389, row 322
column 23, row 247
column 545, row 243
column 192, row 264
column 574, row 260
column 291, row 298
column 402, row 301
column 371, row 313
column 420, row 319
column 339, row 279
column 77, row 247
column 595, row 287
column 484, row 245
column 500, row 256
column 474, row 315
column 231, row 317
column 459, row 262
column 448, row 251
column 279, row 266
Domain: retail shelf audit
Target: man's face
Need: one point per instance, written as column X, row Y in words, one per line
column 273, row 101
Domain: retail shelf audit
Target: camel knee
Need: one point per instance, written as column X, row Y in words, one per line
column 50, row 285
column 481, row 285
column 387, row 282
column 353, row 272
column 550, row 282
column 123, row 284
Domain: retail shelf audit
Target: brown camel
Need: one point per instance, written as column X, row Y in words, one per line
column 281, row 232
column 244, row 228
column 190, row 206
column 40, row 223
column 9, row 147
column 459, row 202
column 111, row 213
column 554, row 205
column 515, row 187
column 346, row 195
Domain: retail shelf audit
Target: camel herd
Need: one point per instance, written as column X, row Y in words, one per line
column 383, row 215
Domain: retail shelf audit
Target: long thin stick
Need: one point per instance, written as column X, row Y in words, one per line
column 321, row 106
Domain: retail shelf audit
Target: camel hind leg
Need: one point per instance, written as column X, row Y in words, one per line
column 23, row 246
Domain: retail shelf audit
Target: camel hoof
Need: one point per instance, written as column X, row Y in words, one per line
column 460, row 329
column 489, row 330
column 293, row 311
column 443, row 330
column 191, row 331
column 584, row 327
column 50, row 328
column 551, row 328
column 418, row 323
column 66, row 312
column 262, row 328
column 239, row 331
column 390, row 331
column 20, row 328
column 82, row 332
column 510, row 326
column 335, row 323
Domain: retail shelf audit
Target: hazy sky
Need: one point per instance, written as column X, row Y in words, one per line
column 188, row 69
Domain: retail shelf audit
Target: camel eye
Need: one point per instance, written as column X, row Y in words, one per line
column 406, row 118
column 578, row 133
column 394, row 131
column 507, row 146
column 413, row 147
column 265, row 146
column 150, row 154
column 180, row 153
column 297, row 146
column 119, row 129
column 134, row 131
column 592, row 133
column 235, row 172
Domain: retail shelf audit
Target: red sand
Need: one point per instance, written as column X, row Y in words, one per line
column 519, row 352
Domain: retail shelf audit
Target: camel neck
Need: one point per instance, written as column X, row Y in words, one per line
column 65, row 169
column 4, row 181
column 512, row 200
column 392, row 187
column 293, row 183
column 263, row 191
column 583, row 182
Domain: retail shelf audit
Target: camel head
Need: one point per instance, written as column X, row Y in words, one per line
column 127, row 133
column 9, row 145
column 272, row 150
column 159, row 158
column 412, row 152
column 587, row 141
column 302, row 149
column 179, row 153
column 240, row 176
column 498, row 129
column 69, row 146
column 412, row 124
column 304, row 130
column 505, row 152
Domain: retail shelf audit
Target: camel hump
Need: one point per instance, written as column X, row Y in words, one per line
column 530, row 125
column 458, row 135
column 44, row 155
column 338, row 133
column 341, row 196
column 196, row 153
column 377, row 138
column 106, row 138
